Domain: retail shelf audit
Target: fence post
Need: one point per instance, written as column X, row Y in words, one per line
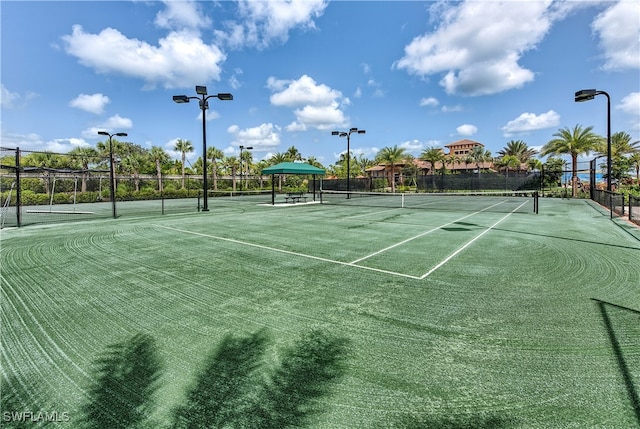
column 18, row 189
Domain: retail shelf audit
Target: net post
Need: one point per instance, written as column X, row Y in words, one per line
column 536, row 201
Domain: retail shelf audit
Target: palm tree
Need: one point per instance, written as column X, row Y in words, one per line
column 432, row 155
column 159, row 157
column 245, row 164
column 478, row 155
column 574, row 142
column 520, row 150
column 84, row 156
column 293, row 154
column 634, row 162
column 232, row 163
column 214, row 155
column 183, row 146
column 508, row 162
column 391, row 156
column 277, row 158
column 134, row 162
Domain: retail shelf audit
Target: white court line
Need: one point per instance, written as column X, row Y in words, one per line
column 422, row 234
column 288, row 252
column 353, row 264
column 428, row 273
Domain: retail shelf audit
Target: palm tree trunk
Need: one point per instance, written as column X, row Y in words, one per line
column 574, row 175
column 183, row 170
column 159, row 174
column 233, row 178
column 215, row 174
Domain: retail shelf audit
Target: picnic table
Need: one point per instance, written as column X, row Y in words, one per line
column 294, row 197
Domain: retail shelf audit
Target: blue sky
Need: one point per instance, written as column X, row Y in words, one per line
column 413, row 74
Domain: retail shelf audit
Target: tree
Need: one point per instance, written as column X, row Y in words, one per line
column 509, row 162
column 634, row 162
column 232, row 163
column 214, row 155
column 432, row 155
column 183, row 146
column 576, row 142
column 159, row 157
column 277, row 158
column 84, row 156
column 520, row 150
column 293, row 154
column 391, row 156
column 478, row 155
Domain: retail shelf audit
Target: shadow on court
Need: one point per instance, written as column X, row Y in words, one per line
column 623, row 327
column 126, row 377
column 233, row 391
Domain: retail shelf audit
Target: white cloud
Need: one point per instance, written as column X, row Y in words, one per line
column 34, row 142
column 412, row 145
column 13, row 100
column 530, row 122
column 430, row 102
column 317, row 105
column 175, row 62
column 180, row 14
column 263, row 137
column 261, row 22
column 92, row 103
column 467, row 130
column 447, row 109
column 300, row 92
column 8, row 99
column 114, row 124
column 618, row 28
column 478, row 45
column 630, row 104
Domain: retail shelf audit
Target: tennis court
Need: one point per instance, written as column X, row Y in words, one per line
column 466, row 313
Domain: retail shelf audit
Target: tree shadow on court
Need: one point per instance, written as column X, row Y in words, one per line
column 630, row 334
column 234, row 390
column 222, row 390
column 307, row 372
column 126, row 377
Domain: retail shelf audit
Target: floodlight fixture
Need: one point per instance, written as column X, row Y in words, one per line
column 201, row 90
column 585, row 95
column 589, row 94
column 347, row 134
column 180, row 98
column 112, row 176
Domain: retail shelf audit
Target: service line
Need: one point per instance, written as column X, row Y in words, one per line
column 288, row 252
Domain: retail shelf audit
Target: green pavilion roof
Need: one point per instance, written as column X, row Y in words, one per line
column 293, row 168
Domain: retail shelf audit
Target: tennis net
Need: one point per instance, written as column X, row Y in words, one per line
column 503, row 201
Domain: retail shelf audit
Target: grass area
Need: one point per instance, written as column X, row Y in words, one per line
column 483, row 319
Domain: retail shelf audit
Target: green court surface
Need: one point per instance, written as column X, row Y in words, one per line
column 453, row 318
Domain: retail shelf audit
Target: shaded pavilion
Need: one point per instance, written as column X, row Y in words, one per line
column 299, row 168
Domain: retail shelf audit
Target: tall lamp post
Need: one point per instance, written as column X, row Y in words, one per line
column 112, row 176
column 347, row 134
column 241, row 174
column 204, row 105
column 589, row 94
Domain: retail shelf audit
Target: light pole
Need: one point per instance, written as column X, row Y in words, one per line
column 241, row 148
column 589, row 94
column 347, row 134
column 204, row 105
column 112, row 176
